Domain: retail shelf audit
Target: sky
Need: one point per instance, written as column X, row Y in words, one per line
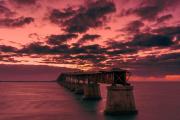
column 39, row 39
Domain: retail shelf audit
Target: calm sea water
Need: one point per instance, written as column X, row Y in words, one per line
column 50, row 101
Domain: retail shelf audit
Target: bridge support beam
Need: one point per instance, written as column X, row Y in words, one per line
column 92, row 92
column 120, row 100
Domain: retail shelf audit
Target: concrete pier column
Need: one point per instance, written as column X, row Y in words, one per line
column 120, row 100
column 68, row 85
column 64, row 84
column 79, row 88
column 92, row 91
column 72, row 86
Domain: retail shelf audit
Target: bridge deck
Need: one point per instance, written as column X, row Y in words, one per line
column 110, row 77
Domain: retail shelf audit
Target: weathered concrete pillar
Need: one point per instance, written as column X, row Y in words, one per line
column 79, row 88
column 120, row 100
column 92, row 91
column 72, row 86
column 68, row 85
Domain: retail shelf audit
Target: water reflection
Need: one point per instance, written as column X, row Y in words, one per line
column 50, row 101
column 96, row 107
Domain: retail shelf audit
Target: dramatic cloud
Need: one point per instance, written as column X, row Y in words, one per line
column 57, row 16
column 140, row 41
column 146, row 12
column 89, row 49
column 4, row 48
column 39, row 48
column 169, row 57
column 92, row 34
column 164, row 18
column 91, row 58
column 150, row 9
column 150, row 40
column 91, row 16
column 35, row 48
column 169, row 30
column 133, row 27
column 24, row 2
column 5, row 11
column 88, row 37
column 59, row 39
column 17, row 22
column 122, row 51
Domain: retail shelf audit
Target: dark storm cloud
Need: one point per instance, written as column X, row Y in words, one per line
column 91, row 58
column 164, row 18
column 93, row 49
column 146, row 12
column 39, row 48
column 115, row 44
column 133, row 27
column 169, row 30
column 16, row 22
column 76, row 54
column 5, row 48
column 35, row 48
column 88, row 37
column 63, row 49
column 91, row 17
column 150, row 9
column 79, row 59
column 163, row 59
column 140, row 41
column 85, row 17
column 5, row 11
column 27, row 5
column 116, row 48
column 24, row 2
column 151, row 40
column 59, row 39
column 170, row 57
column 57, row 16
column 119, row 51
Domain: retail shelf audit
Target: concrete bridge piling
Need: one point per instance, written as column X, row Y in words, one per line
column 92, row 92
column 120, row 100
column 120, row 97
column 79, row 88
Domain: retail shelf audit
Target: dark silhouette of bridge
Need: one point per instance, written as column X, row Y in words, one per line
column 120, row 98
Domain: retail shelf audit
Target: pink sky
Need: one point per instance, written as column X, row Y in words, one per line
column 139, row 35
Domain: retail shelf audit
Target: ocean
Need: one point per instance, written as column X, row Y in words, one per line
column 50, row 101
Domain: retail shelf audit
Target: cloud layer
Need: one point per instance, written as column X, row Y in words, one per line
column 141, row 36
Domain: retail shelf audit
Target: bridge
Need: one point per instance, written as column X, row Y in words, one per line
column 120, row 98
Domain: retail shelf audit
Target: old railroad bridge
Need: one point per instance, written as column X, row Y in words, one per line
column 120, row 98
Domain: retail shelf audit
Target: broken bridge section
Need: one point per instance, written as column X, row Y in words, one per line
column 120, row 97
